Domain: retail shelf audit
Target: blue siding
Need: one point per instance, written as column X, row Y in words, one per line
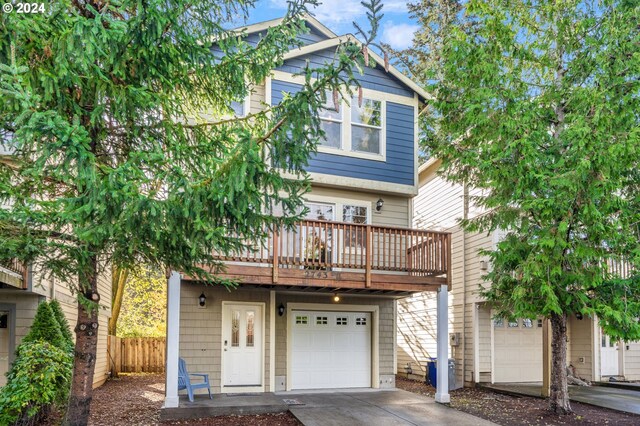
column 398, row 167
column 373, row 78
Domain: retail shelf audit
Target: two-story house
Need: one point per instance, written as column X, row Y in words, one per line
column 487, row 349
column 316, row 306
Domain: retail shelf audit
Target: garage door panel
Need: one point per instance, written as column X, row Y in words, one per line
column 518, row 353
column 332, row 349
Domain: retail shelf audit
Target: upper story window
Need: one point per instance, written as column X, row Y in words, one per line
column 352, row 129
column 331, row 123
column 366, row 126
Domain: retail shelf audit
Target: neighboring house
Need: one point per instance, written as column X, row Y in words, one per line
column 21, row 290
column 316, row 307
column 487, row 350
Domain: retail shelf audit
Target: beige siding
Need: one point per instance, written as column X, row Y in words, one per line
column 632, row 361
column 579, row 350
column 438, row 205
column 257, row 99
column 201, row 328
column 395, row 211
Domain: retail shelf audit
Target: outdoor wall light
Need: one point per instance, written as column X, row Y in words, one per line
column 281, row 309
column 379, row 204
column 483, row 265
column 336, row 298
column 579, row 316
column 202, row 300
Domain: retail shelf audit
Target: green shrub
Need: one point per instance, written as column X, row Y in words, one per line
column 34, row 383
column 62, row 322
column 45, row 327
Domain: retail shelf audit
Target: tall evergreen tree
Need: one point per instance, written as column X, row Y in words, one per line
column 56, row 309
column 537, row 104
column 107, row 108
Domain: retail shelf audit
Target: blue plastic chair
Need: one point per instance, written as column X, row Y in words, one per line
column 184, row 382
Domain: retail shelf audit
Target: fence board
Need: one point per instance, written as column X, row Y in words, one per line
column 136, row 354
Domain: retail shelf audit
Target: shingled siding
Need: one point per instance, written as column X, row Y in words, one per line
column 399, row 165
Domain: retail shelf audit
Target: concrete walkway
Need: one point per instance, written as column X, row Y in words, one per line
column 626, row 400
column 381, row 408
column 389, row 407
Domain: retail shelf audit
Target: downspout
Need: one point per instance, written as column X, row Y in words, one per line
column 465, row 215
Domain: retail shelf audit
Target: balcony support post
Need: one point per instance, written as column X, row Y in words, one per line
column 276, row 255
column 368, row 257
column 173, row 340
column 442, row 380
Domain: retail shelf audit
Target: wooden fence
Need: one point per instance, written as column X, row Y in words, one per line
column 136, row 354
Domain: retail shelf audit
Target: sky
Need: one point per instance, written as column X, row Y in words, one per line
column 397, row 28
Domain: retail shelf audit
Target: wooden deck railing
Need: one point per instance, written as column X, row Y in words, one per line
column 325, row 245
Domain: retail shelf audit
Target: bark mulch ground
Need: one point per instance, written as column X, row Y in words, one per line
column 516, row 411
column 135, row 399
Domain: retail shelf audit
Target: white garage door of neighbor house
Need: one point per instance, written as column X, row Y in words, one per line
column 518, row 351
column 330, row 349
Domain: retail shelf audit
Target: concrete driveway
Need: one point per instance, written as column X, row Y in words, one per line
column 373, row 408
column 621, row 398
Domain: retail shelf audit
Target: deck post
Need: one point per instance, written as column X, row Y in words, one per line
column 276, row 255
column 368, row 257
column 173, row 340
column 442, row 391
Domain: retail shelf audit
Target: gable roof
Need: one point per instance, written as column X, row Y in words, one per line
column 333, row 40
column 310, row 20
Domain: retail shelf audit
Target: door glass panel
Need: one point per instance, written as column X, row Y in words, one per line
column 513, row 324
column 498, row 322
column 250, row 327
column 527, row 323
column 235, row 328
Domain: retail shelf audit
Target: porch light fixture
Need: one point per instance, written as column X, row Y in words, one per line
column 579, row 316
column 281, row 309
column 379, row 204
column 336, row 298
column 202, row 300
column 483, row 265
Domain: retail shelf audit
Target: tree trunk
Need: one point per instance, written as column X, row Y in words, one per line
column 559, row 398
column 85, row 352
column 118, row 279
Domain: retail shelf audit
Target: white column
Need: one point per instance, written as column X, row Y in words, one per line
column 442, row 393
column 173, row 340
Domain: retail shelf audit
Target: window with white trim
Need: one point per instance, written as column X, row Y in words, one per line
column 354, row 129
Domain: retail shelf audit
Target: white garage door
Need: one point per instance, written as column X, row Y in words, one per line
column 330, row 349
column 518, row 351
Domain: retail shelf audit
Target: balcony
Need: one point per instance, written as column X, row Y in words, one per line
column 353, row 258
column 13, row 273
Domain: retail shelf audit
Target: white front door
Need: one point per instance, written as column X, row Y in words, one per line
column 242, row 340
column 330, row 349
column 608, row 356
column 4, row 346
